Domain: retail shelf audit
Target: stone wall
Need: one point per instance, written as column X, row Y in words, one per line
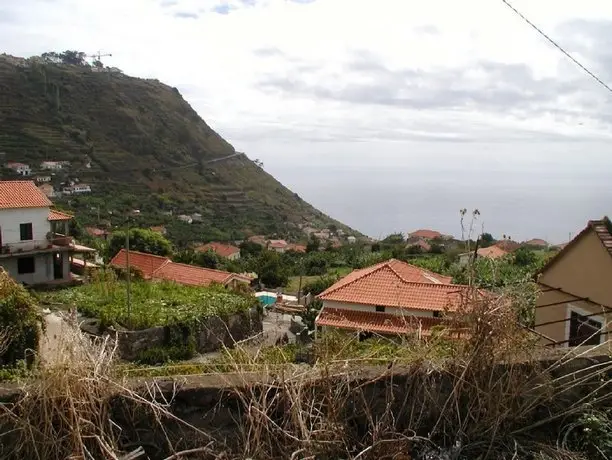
column 213, row 333
column 213, row 410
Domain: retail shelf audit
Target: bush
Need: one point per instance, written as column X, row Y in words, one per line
column 20, row 321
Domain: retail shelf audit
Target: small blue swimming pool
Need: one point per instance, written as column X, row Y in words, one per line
column 267, row 299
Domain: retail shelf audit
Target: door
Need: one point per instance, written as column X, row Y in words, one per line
column 58, row 266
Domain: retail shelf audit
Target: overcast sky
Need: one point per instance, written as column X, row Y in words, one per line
column 389, row 115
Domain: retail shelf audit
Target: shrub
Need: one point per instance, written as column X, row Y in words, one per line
column 20, row 321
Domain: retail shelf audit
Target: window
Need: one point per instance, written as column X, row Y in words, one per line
column 25, row 265
column 583, row 330
column 26, row 232
column 436, row 314
column 380, row 308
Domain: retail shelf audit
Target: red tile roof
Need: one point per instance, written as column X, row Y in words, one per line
column 425, row 233
column 397, row 284
column 159, row 229
column 15, row 194
column 224, row 250
column 382, row 323
column 536, row 242
column 157, row 267
column 146, row 263
column 296, row 247
column 277, row 244
column 507, row 245
column 55, row 215
column 191, row 275
column 492, row 252
column 97, row 232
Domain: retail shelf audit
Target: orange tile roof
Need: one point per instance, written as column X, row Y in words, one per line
column 158, row 267
column 397, row 284
column 297, row 247
column 191, row 275
column 146, row 263
column 507, row 245
column 93, row 231
column 15, row 194
column 537, row 242
column 425, row 233
column 382, row 323
column 55, row 215
column 492, row 252
column 277, row 244
column 224, row 250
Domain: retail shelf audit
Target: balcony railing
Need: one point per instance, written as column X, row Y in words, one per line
column 53, row 239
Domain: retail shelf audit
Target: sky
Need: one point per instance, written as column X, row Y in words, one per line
column 389, row 115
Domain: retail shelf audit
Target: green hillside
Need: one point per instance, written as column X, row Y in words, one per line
column 146, row 149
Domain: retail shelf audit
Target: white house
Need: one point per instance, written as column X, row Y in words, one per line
column 351, row 239
column 185, row 218
column 42, row 179
column 34, row 246
column 76, row 189
column 20, row 168
column 51, row 165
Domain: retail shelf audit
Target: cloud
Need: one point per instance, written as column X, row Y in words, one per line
column 186, row 15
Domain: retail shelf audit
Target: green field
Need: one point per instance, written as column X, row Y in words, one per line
column 294, row 281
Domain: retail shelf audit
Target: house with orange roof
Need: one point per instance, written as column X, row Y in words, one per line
column 507, row 245
column 425, row 234
column 277, row 245
column 574, row 306
column 35, row 247
column 97, row 232
column 159, row 229
column 537, row 242
column 224, row 250
column 490, row 252
column 389, row 298
column 296, row 247
column 153, row 267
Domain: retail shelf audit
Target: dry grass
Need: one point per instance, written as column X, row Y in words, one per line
column 491, row 400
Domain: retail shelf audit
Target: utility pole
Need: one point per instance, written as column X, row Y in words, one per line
column 127, row 264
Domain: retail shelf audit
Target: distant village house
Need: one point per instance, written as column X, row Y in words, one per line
column 51, row 165
column 19, row 168
column 48, row 190
column 224, row 250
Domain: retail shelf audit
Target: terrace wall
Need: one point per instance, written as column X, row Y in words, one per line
column 212, row 334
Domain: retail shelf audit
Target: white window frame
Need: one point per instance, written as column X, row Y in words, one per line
column 570, row 307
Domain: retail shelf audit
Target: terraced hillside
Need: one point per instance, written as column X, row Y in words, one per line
column 139, row 145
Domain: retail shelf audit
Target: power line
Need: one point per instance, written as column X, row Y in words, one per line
column 556, row 45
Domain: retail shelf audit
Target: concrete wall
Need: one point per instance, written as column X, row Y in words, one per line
column 372, row 308
column 585, row 270
column 10, row 220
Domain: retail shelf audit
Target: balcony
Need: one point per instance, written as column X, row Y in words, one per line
column 56, row 240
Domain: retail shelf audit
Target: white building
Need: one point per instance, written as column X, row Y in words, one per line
column 76, row 189
column 34, row 246
column 196, row 217
column 20, row 168
column 185, row 218
column 42, row 179
column 351, row 239
column 51, row 165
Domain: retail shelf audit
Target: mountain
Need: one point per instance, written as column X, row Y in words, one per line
column 140, row 145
